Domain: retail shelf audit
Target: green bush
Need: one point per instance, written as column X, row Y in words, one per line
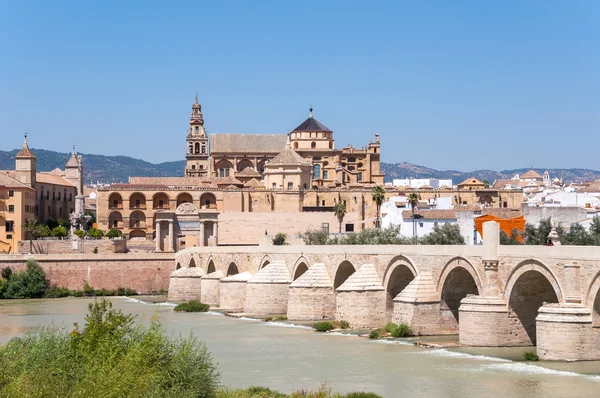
column 6, row 273
column 125, row 291
column 344, row 324
column 96, row 250
column 59, row 232
column 530, row 356
column 267, row 319
column 280, row 239
column 374, row 334
column 323, row 326
column 113, row 233
column 402, row 330
column 31, row 283
column 79, row 232
column 362, row 395
column 192, row 306
column 281, row 318
column 390, row 327
column 143, row 362
column 95, row 233
column 87, row 289
column 57, row 292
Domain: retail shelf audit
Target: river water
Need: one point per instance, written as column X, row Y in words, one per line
column 289, row 358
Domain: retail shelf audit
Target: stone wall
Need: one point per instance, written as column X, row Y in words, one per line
column 311, row 303
column 144, row 273
column 83, row 246
column 266, row 298
column 362, row 309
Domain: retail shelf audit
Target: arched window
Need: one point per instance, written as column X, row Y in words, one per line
column 296, row 145
column 197, row 149
column 191, row 148
column 317, row 171
column 196, row 129
column 313, row 145
column 203, row 149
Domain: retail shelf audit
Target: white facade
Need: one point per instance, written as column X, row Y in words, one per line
column 421, row 182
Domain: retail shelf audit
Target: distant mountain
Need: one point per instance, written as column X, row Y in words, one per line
column 99, row 167
column 120, row 168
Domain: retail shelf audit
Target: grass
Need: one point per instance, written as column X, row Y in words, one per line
column 192, row 306
column 374, row 334
column 281, row 318
column 263, row 392
column 530, row 356
column 323, row 326
column 344, row 324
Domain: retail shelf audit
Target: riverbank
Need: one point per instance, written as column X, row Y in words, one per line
column 287, row 358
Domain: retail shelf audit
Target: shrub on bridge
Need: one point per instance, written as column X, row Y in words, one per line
column 280, row 239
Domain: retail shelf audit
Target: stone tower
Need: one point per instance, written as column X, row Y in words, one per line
column 74, row 171
column 197, row 144
column 25, row 166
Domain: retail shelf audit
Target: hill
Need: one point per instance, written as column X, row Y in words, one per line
column 119, row 168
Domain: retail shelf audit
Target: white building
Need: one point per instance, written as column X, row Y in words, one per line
column 434, row 183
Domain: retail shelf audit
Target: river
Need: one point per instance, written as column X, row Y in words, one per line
column 289, row 358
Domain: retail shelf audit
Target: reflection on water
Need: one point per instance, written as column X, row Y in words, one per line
column 289, row 358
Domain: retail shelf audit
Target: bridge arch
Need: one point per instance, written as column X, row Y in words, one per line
column 530, row 284
column 592, row 299
column 210, row 266
column 232, row 269
column 178, row 266
column 399, row 272
column 192, row 262
column 457, row 280
column 266, row 260
column 343, row 272
column 301, row 266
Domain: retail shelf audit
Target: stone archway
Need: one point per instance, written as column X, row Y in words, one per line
column 192, row 263
column 399, row 273
column 242, row 164
column 458, row 283
column 343, row 272
column 211, row 267
column 593, row 300
column 300, row 269
column 232, row 269
column 208, row 201
column 178, row 266
column 529, row 290
column 184, row 197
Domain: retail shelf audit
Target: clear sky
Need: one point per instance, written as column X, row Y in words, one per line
column 448, row 84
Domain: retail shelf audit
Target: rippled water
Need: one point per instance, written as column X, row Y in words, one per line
column 289, row 358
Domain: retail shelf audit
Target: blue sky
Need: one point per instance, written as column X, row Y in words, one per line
column 455, row 85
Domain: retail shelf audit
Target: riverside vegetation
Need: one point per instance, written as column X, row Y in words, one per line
column 32, row 283
column 112, row 356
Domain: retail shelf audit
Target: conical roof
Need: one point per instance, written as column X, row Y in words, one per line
column 243, row 277
column 366, row 278
column 214, row 275
column 422, row 289
column 275, row 272
column 316, row 276
column 193, row 272
column 25, row 152
column 73, row 162
column 312, row 124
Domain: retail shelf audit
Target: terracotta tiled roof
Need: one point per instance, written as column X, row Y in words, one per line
column 254, row 183
column 501, row 184
column 288, row 156
column 247, row 143
column 141, row 187
column 73, row 162
column 9, row 182
column 531, row 174
column 501, row 212
column 49, row 178
column 25, row 152
column 471, row 181
column 430, row 214
column 229, row 181
column 248, row 172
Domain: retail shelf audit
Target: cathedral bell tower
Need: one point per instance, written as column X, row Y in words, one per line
column 197, row 144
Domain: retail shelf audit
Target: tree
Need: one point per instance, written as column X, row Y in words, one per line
column 578, row 236
column 513, row 239
column 113, row 233
column 34, row 230
column 280, row 239
column 447, row 234
column 486, row 183
column 413, row 199
column 59, row 232
column 378, row 196
column 340, row 212
column 95, row 233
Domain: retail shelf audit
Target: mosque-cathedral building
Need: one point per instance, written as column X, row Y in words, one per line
column 239, row 187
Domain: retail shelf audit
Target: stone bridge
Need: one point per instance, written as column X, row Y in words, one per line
column 490, row 295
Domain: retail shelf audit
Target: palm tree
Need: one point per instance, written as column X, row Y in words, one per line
column 413, row 199
column 33, row 229
column 340, row 212
column 378, row 196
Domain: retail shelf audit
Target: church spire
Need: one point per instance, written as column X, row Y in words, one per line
column 25, row 152
column 196, row 117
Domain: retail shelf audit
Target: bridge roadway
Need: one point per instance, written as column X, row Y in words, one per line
column 491, row 295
